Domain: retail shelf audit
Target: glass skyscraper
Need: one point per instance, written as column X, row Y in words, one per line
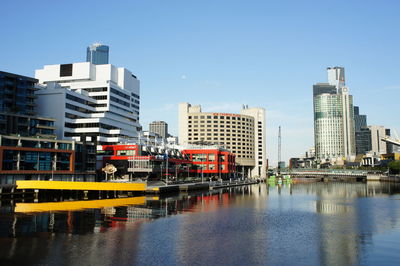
column 333, row 118
column 97, row 54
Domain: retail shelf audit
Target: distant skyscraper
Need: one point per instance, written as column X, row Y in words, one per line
column 336, row 77
column 362, row 133
column 360, row 121
column 363, row 140
column 159, row 127
column 97, row 54
column 333, row 117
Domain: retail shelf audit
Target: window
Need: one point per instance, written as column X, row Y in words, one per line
column 211, row 157
column 66, row 70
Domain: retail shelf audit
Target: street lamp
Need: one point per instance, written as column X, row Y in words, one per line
column 166, row 166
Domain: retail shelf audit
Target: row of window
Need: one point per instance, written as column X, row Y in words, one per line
column 216, row 122
column 121, row 94
column 220, row 117
column 116, row 100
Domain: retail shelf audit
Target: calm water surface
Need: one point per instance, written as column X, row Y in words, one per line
column 302, row 224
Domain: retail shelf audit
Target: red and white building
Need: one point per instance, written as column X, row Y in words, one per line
column 212, row 162
column 152, row 162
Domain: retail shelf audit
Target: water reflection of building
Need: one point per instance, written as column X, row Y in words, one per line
column 347, row 215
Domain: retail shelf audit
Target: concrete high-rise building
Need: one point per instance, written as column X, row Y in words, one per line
column 97, row 54
column 378, row 146
column 333, row 118
column 244, row 134
column 159, row 127
column 100, row 101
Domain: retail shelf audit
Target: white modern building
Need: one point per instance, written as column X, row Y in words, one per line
column 100, row 101
column 334, row 133
column 243, row 134
column 260, row 149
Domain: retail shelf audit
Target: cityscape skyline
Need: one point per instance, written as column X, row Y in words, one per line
column 247, row 61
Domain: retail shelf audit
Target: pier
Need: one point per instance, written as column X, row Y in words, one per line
column 24, row 189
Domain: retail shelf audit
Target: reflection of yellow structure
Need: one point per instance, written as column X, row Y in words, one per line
column 77, row 205
column 67, row 185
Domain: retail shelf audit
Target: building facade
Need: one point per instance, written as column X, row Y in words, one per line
column 243, row 134
column 27, row 158
column 18, row 108
column 213, row 163
column 378, row 146
column 97, row 54
column 360, row 121
column 159, row 127
column 363, row 140
column 90, row 100
column 147, row 161
column 334, row 133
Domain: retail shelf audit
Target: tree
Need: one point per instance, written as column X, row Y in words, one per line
column 394, row 167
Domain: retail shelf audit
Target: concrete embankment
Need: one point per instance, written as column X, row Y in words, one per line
column 383, row 178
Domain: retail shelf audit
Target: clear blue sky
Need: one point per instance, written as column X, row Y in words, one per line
column 222, row 54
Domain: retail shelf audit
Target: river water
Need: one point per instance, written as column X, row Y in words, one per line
column 301, row 224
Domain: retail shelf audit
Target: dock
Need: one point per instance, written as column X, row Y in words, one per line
column 162, row 189
column 85, row 186
column 102, row 190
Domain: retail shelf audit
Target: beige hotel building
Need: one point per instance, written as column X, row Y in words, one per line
column 243, row 134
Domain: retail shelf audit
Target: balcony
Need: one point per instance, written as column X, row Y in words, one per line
column 8, row 91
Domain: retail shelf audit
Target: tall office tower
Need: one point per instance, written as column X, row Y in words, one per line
column 97, row 54
column 361, row 132
column 363, row 141
column 360, row 121
column 378, row 146
column 100, row 101
column 18, row 108
column 336, row 77
column 159, row 127
column 243, row 134
column 333, row 118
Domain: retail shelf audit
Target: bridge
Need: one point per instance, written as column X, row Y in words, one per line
column 340, row 174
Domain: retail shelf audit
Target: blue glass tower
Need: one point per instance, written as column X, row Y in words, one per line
column 97, row 54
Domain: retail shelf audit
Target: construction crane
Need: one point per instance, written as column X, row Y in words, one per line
column 394, row 141
column 279, row 150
